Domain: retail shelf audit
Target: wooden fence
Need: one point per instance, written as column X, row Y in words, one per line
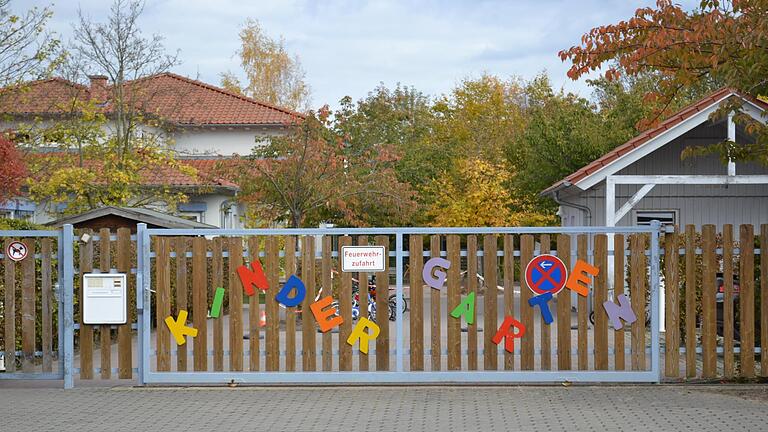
column 709, row 334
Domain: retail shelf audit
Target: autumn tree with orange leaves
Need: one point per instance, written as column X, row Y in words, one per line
column 315, row 174
column 719, row 41
column 12, row 169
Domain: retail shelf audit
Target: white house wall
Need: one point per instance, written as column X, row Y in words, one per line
column 222, row 142
column 695, row 204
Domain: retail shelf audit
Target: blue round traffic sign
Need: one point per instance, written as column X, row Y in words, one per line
column 546, row 274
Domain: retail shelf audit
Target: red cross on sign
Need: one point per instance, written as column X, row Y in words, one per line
column 546, row 274
column 16, row 251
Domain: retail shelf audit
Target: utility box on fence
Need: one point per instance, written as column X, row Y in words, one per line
column 105, row 298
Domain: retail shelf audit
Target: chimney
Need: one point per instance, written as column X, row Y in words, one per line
column 98, row 88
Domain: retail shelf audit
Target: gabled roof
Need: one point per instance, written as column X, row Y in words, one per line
column 173, row 98
column 632, row 147
column 140, row 215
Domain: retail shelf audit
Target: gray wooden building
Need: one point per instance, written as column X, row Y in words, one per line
column 646, row 179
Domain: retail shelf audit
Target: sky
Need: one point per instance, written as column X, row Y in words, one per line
column 348, row 47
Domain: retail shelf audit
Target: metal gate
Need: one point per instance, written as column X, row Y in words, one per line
column 37, row 285
column 255, row 339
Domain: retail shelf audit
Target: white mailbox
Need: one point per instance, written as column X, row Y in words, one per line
column 105, row 298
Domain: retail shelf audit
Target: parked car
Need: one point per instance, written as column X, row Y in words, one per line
column 720, row 302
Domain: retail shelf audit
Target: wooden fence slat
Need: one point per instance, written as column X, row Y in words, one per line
column 527, row 345
column 708, row 329
column 546, row 329
column 618, row 288
column 308, row 343
column 600, row 296
column 363, row 298
column 345, row 304
column 200, row 303
column 416, row 261
column 10, row 310
column 582, row 313
column 454, row 298
column 435, row 323
column 254, row 309
column 217, row 279
column 28, row 307
column 235, row 305
column 637, row 289
column 490, row 319
column 382, row 308
column 125, row 253
column 564, row 309
column 105, row 331
column 163, row 302
column 46, row 303
column 327, row 289
column 86, row 331
column 764, row 300
column 509, row 292
column 672, row 306
column 180, row 246
column 690, row 301
column 728, row 359
column 472, row 288
column 272, row 308
column 747, row 300
column 290, row 313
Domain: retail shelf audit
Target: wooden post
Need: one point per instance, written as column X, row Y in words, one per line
column 105, row 331
column 416, row 260
column 728, row 317
column 290, row 313
column 490, row 318
column 618, row 288
column 509, row 297
column 124, row 332
column 217, row 277
column 200, row 303
column 600, row 297
column 308, row 342
column 163, row 303
column 273, row 309
column 690, row 301
column 235, row 305
column 454, row 298
column 747, row 300
column 363, row 282
column 564, row 308
column 345, row 303
column 28, row 307
column 86, row 331
column 764, row 300
column 436, row 356
column 254, row 310
column 181, row 292
column 382, row 308
column 672, row 306
column 583, row 315
column 546, row 329
column 10, row 311
column 472, row 288
column 637, row 289
column 708, row 321
column 526, row 312
column 327, row 289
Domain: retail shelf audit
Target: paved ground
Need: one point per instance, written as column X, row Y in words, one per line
column 554, row 408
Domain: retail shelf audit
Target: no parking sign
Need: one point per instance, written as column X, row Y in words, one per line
column 546, row 274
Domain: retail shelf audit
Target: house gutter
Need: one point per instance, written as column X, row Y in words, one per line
column 584, row 209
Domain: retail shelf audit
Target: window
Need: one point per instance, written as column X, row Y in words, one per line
column 193, row 216
column 666, row 217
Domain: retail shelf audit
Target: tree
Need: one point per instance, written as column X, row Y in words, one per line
column 314, row 174
column 107, row 145
column 27, row 49
column 12, row 170
column 272, row 75
column 479, row 196
column 719, row 42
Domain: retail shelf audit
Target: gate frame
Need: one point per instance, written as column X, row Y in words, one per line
column 399, row 376
column 64, row 294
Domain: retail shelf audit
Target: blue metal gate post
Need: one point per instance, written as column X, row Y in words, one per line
column 66, row 246
column 655, row 294
column 399, row 302
column 142, row 318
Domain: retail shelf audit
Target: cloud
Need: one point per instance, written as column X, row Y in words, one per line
column 347, row 47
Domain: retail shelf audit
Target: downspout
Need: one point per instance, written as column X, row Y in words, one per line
column 586, row 210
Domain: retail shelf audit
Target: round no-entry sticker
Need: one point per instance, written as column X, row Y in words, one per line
column 546, row 274
column 16, row 251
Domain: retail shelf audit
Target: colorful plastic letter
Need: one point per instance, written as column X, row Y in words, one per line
column 218, row 299
column 179, row 329
column 507, row 332
column 290, row 284
column 578, row 280
column 251, row 278
column 622, row 312
column 466, row 308
column 437, row 279
column 542, row 301
column 359, row 333
column 325, row 318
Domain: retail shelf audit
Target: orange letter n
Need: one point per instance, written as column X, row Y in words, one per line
column 256, row 277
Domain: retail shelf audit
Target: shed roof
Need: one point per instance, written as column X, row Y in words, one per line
column 140, row 215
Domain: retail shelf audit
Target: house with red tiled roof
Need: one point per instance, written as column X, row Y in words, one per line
column 646, row 178
column 204, row 124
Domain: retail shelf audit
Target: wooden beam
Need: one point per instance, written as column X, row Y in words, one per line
column 632, row 201
column 689, row 179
